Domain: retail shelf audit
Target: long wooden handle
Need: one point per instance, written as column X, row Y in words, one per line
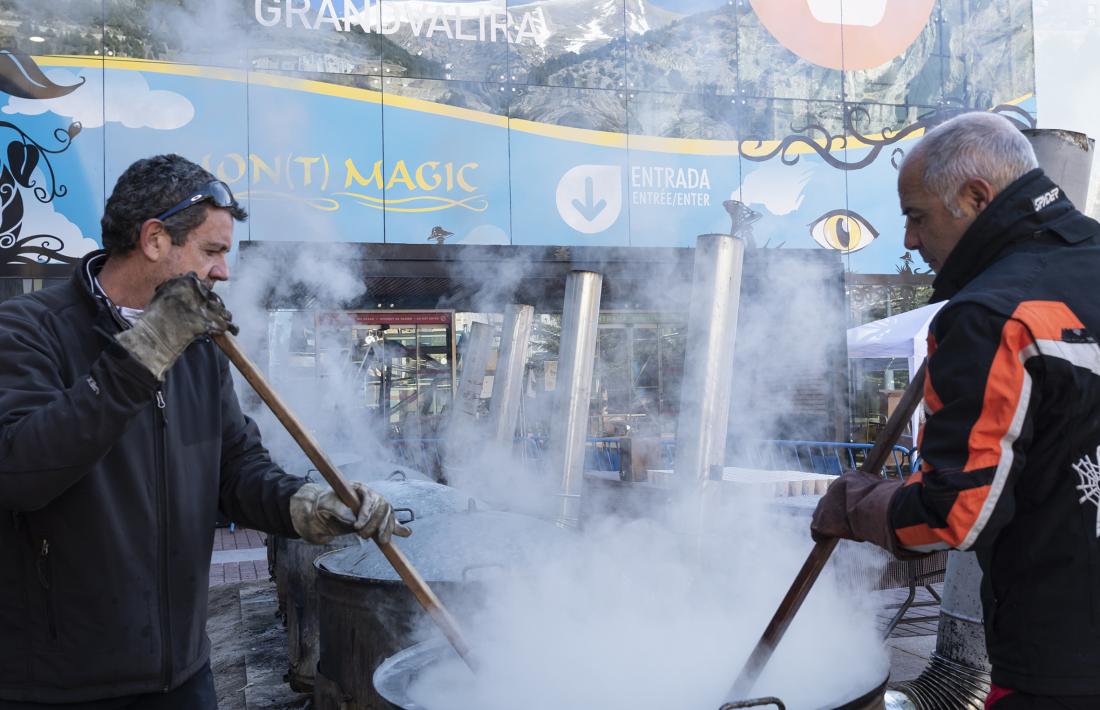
column 819, row 556
column 312, row 449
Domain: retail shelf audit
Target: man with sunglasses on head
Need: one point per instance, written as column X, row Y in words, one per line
column 121, row 439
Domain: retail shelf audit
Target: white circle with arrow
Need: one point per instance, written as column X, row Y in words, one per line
column 590, row 197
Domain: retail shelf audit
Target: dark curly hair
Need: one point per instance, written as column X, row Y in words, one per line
column 149, row 187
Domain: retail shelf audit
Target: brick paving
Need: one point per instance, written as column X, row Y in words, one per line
column 238, row 539
column 243, row 571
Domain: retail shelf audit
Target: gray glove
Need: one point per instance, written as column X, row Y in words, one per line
column 857, row 507
column 319, row 515
column 181, row 310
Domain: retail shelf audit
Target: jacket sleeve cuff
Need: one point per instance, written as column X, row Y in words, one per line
column 870, row 519
column 130, row 370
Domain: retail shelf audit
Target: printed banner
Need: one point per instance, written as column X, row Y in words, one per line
column 544, row 123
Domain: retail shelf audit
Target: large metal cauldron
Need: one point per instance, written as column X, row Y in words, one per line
column 367, row 614
column 413, row 498
column 395, row 676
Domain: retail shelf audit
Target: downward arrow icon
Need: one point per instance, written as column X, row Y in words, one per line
column 588, row 209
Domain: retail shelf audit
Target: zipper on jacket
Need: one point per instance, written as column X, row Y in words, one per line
column 45, row 578
column 160, row 422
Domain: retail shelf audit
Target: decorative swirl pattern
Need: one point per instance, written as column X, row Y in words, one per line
column 37, row 249
column 474, row 203
column 820, row 141
column 24, row 156
column 64, row 138
column 20, row 76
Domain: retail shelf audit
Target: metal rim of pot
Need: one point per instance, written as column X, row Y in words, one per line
column 392, row 678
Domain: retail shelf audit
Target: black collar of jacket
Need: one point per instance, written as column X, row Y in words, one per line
column 1031, row 208
column 107, row 320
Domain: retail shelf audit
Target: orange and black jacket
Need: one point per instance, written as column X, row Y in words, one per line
column 1011, row 445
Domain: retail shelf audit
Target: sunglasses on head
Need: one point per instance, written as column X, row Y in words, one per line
column 216, row 191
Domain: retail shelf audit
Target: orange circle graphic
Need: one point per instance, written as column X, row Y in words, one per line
column 871, row 32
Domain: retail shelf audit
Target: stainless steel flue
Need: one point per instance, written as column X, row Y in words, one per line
column 1066, row 157
column 708, row 361
column 573, row 392
column 475, row 359
column 508, row 379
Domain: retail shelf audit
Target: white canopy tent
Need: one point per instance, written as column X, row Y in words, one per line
column 902, row 336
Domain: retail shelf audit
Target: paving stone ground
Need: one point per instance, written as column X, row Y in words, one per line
column 240, row 555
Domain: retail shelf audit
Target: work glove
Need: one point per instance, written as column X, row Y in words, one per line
column 856, row 506
column 181, row 310
column 319, row 515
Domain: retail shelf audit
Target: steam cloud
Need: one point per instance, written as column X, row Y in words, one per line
column 643, row 616
column 654, row 610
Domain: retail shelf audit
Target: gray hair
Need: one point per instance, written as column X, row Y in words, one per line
column 973, row 145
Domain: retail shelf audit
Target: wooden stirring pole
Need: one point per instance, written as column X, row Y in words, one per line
column 312, row 449
column 811, row 568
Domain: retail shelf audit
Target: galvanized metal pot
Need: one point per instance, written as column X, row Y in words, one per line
column 296, row 577
column 367, row 614
column 396, row 674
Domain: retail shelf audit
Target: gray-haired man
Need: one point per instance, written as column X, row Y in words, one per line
column 1012, row 438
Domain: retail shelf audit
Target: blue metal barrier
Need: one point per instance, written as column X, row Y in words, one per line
column 604, row 453
column 831, row 457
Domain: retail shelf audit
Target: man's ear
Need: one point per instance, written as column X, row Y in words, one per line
column 976, row 194
column 154, row 240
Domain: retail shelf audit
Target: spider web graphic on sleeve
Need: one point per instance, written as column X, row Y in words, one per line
column 1089, row 473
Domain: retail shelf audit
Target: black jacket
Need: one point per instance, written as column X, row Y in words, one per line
column 1011, row 447
column 110, row 486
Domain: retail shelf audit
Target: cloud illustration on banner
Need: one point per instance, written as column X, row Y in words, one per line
column 485, row 234
column 51, row 227
column 133, row 103
column 778, row 187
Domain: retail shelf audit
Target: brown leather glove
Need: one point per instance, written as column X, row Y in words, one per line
column 181, row 310
column 857, row 507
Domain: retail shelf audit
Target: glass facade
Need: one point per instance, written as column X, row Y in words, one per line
column 552, row 122
column 399, row 364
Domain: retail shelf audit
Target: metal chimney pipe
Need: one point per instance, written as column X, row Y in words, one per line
column 1066, row 156
column 515, row 337
column 708, row 360
column 961, row 612
column 475, row 358
column 573, row 392
column 957, row 675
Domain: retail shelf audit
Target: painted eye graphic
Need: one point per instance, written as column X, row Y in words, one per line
column 844, row 230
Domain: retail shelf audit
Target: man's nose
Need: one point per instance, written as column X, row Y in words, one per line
column 911, row 241
column 219, row 272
